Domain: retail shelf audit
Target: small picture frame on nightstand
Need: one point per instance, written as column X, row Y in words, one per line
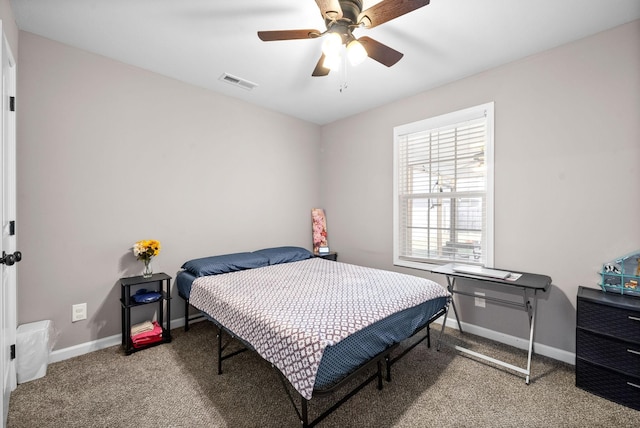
column 323, row 250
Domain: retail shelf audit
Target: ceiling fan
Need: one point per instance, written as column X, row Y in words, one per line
column 341, row 17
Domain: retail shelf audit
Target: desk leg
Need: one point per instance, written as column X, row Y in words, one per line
column 528, row 305
column 531, row 309
column 450, row 285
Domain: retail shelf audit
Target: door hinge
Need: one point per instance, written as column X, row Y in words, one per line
column 12, row 227
column 13, row 352
column 12, row 103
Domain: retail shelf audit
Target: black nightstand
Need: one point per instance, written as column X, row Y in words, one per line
column 156, row 281
column 608, row 346
column 333, row 256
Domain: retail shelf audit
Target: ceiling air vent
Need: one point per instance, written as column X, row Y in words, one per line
column 236, row 81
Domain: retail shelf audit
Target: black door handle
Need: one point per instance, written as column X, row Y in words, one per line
column 10, row 259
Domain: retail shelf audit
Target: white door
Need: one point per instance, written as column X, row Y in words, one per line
column 8, row 211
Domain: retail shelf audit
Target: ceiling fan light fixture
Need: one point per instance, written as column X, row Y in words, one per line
column 356, row 52
column 332, row 44
column 332, row 62
column 341, row 18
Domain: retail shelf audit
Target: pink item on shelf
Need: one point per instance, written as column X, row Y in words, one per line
column 147, row 337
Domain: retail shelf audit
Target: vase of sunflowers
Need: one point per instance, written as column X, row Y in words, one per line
column 145, row 250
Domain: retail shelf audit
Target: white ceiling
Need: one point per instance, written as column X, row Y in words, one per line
column 196, row 41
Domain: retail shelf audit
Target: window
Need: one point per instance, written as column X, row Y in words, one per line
column 443, row 189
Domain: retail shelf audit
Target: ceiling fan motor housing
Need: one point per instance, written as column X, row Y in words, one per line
column 350, row 11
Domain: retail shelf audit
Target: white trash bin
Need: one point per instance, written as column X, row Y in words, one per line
column 32, row 350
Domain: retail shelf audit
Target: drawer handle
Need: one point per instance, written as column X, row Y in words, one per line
column 633, row 384
column 633, row 352
column 634, row 318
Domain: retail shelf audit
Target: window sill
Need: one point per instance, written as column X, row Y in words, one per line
column 416, row 265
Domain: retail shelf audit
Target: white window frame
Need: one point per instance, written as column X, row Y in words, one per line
column 447, row 120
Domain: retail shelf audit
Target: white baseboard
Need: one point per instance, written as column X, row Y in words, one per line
column 516, row 342
column 106, row 342
column 84, row 348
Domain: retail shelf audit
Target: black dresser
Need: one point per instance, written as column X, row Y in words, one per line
column 608, row 346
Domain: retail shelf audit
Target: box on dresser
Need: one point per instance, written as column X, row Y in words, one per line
column 608, row 346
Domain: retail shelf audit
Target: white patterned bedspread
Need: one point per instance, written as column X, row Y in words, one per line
column 291, row 312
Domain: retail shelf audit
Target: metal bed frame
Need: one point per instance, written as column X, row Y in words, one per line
column 303, row 409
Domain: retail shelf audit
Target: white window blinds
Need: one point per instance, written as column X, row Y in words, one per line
column 443, row 191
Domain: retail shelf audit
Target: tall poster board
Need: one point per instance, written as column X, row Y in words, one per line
column 319, row 224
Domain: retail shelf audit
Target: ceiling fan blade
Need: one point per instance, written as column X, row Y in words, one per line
column 379, row 52
column 387, row 10
column 270, row 36
column 320, row 70
column 330, row 9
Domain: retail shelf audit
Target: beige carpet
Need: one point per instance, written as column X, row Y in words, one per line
column 176, row 385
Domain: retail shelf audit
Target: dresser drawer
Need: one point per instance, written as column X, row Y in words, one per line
column 620, row 322
column 606, row 351
column 608, row 384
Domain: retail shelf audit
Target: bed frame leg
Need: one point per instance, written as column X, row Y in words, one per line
column 304, row 417
column 186, row 315
column 388, row 362
column 219, row 336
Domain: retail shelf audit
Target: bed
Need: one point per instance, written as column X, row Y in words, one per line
column 319, row 322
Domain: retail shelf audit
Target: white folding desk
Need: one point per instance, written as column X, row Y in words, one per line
column 529, row 283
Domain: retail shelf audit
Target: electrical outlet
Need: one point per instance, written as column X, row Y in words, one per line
column 480, row 302
column 79, row 312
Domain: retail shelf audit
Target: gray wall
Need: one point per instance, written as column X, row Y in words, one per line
column 109, row 154
column 567, row 170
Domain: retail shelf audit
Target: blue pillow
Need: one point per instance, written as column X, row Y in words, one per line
column 225, row 263
column 278, row 255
